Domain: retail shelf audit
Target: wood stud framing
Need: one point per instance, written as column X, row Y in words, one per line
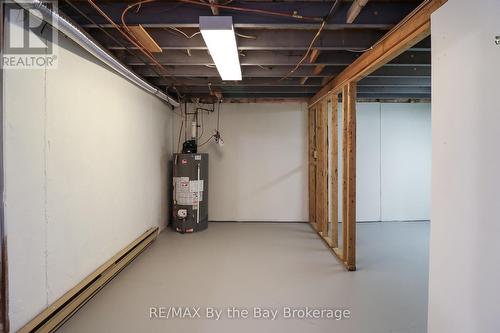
column 322, row 168
column 312, row 164
column 349, row 175
column 334, row 177
column 410, row 31
column 319, row 202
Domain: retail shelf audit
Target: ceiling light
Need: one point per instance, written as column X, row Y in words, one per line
column 218, row 33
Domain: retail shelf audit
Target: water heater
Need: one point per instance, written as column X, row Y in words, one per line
column 190, row 192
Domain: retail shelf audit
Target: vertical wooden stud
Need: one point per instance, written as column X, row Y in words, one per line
column 312, row 165
column 322, row 167
column 344, row 172
column 334, row 180
column 350, row 176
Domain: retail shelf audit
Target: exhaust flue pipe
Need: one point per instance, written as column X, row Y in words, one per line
column 64, row 25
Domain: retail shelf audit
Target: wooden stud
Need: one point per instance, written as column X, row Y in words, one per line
column 334, row 180
column 350, row 176
column 410, row 31
column 317, row 176
column 312, row 165
column 344, row 172
column 322, row 168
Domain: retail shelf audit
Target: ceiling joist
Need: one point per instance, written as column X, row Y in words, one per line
column 414, row 28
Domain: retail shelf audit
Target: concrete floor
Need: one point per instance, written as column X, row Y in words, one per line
column 270, row 266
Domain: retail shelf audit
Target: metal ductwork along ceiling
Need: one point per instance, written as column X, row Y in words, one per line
column 63, row 24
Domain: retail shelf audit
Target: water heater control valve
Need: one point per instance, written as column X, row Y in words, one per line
column 182, row 213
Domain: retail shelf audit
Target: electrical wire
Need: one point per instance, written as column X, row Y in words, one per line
column 118, row 42
column 318, row 33
column 224, row 6
column 114, row 39
column 245, row 36
column 131, row 40
column 208, row 140
column 217, row 131
column 183, row 33
column 360, row 51
column 252, row 10
column 202, row 126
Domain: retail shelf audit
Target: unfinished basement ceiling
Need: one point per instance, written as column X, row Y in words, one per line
column 270, row 46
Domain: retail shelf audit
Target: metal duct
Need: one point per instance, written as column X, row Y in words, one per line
column 63, row 24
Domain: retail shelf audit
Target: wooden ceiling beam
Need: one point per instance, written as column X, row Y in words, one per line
column 318, row 69
column 413, row 28
column 145, row 38
column 314, row 55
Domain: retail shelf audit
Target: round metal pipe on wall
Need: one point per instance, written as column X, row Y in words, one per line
column 63, row 24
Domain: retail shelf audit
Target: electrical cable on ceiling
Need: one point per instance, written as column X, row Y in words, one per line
column 118, row 42
column 360, row 51
column 182, row 32
column 131, row 40
column 241, row 9
column 332, row 11
column 245, row 36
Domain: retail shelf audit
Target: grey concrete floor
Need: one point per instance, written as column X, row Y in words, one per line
column 272, row 266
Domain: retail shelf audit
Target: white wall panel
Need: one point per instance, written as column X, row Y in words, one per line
column 405, row 162
column 260, row 174
column 465, row 229
column 368, row 162
column 86, row 173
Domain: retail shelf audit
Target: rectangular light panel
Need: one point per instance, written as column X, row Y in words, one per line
column 218, row 33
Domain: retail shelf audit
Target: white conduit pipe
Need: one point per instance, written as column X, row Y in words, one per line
column 69, row 29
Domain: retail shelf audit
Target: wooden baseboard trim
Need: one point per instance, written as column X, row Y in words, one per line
column 61, row 310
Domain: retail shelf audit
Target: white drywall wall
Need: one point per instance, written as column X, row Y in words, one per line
column 368, row 161
column 393, row 161
column 464, row 287
column 86, row 165
column 260, row 174
column 405, row 162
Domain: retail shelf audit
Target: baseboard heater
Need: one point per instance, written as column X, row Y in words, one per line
column 61, row 310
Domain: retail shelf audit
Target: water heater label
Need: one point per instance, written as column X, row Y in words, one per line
column 197, row 157
column 181, row 184
column 196, row 186
column 195, row 199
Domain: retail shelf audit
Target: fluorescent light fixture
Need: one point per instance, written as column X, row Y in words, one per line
column 218, row 33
